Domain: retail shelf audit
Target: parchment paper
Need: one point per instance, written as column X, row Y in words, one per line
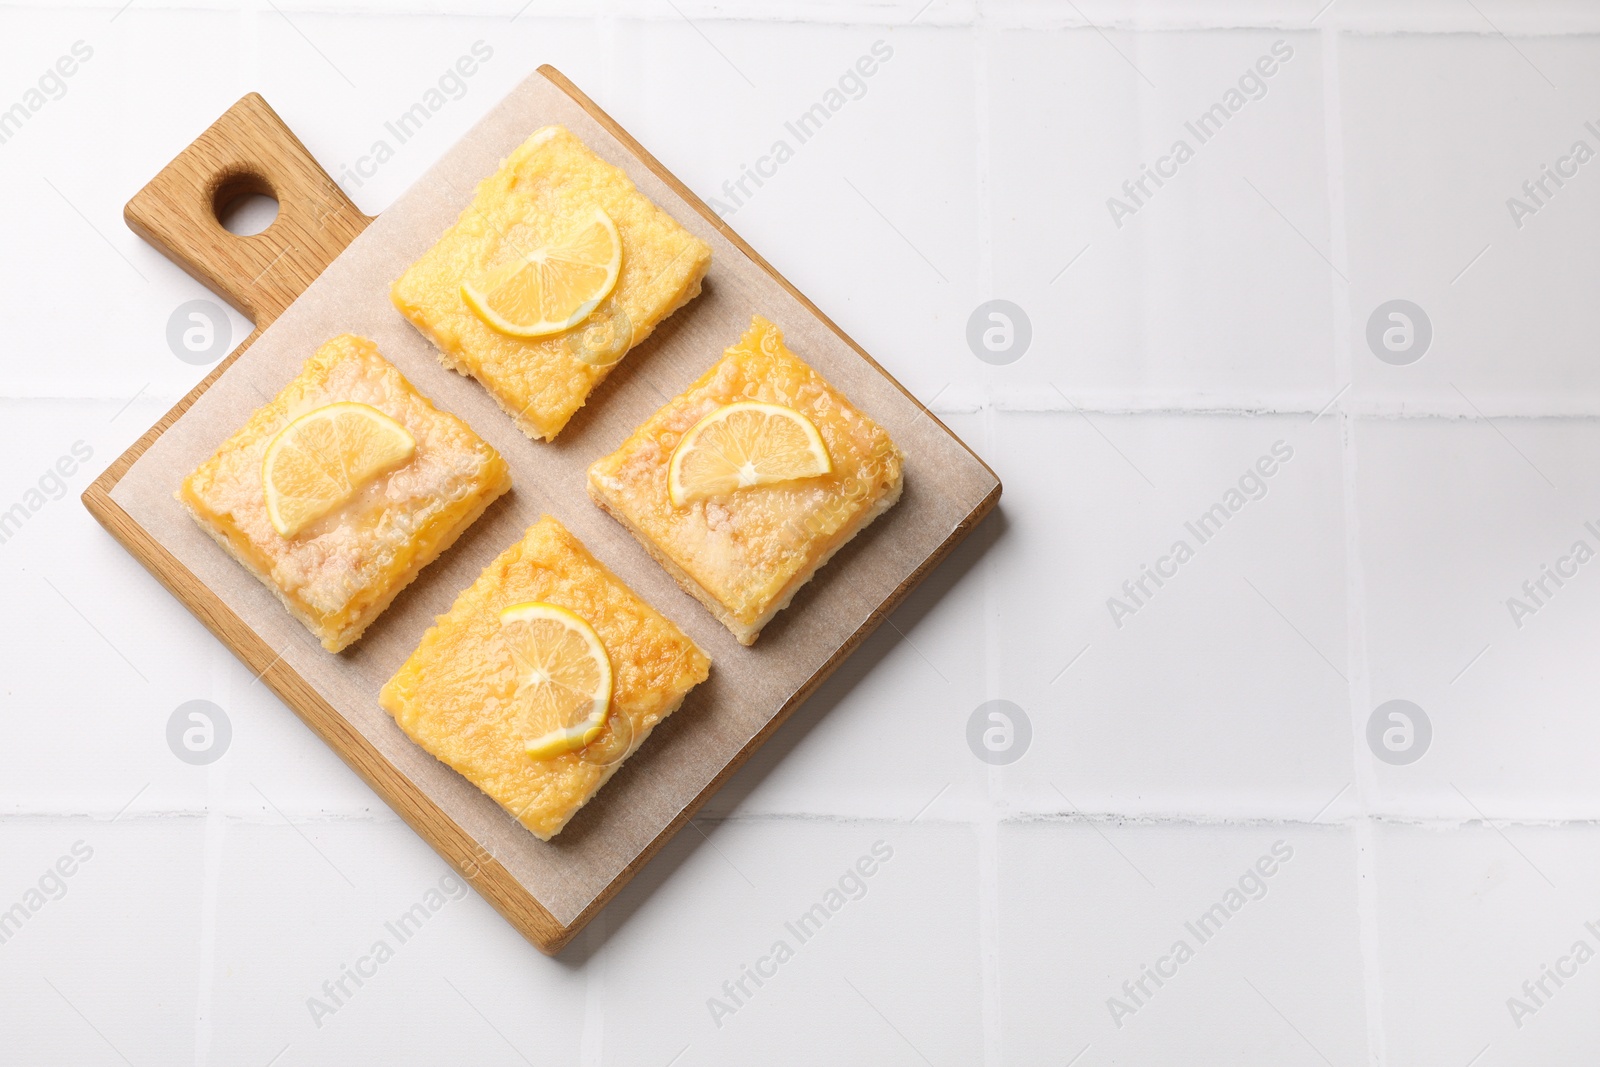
column 747, row 685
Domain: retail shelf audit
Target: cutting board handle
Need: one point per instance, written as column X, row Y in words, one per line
column 247, row 150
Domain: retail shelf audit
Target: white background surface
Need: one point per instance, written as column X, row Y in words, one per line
column 1168, row 754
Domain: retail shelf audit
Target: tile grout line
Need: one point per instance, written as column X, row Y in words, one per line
column 215, row 832
column 247, row 27
column 989, row 829
column 1365, row 826
column 1358, row 688
column 1197, row 18
column 962, row 818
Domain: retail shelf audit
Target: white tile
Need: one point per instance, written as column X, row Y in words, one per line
column 135, row 101
column 1087, row 907
column 104, row 967
column 107, row 651
column 1455, row 516
column 292, row 912
column 1211, row 291
column 1223, row 693
column 1465, row 917
column 713, row 906
column 885, row 187
column 1439, row 133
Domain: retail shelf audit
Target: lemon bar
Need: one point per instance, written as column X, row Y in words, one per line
column 744, row 554
column 546, row 190
column 457, row 694
column 338, row 573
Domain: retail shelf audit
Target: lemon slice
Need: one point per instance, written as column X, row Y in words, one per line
column 563, row 677
column 550, row 289
column 741, row 445
column 322, row 458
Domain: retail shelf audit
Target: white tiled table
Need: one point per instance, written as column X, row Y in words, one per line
column 1225, row 717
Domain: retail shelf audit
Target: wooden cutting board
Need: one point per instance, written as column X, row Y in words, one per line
column 323, row 268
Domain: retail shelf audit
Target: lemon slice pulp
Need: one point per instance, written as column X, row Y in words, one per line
column 741, row 445
column 550, row 290
column 322, row 458
column 563, row 677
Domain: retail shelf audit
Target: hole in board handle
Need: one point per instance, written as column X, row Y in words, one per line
column 244, row 204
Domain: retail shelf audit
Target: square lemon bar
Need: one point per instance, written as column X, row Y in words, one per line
column 460, row 694
column 744, row 552
column 546, row 191
column 388, row 517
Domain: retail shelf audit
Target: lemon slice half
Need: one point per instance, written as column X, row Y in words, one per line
column 744, row 444
column 322, row 458
column 563, row 677
column 550, row 290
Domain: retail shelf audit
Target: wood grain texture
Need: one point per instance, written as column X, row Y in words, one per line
column 247, row 150
column 262, row 275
